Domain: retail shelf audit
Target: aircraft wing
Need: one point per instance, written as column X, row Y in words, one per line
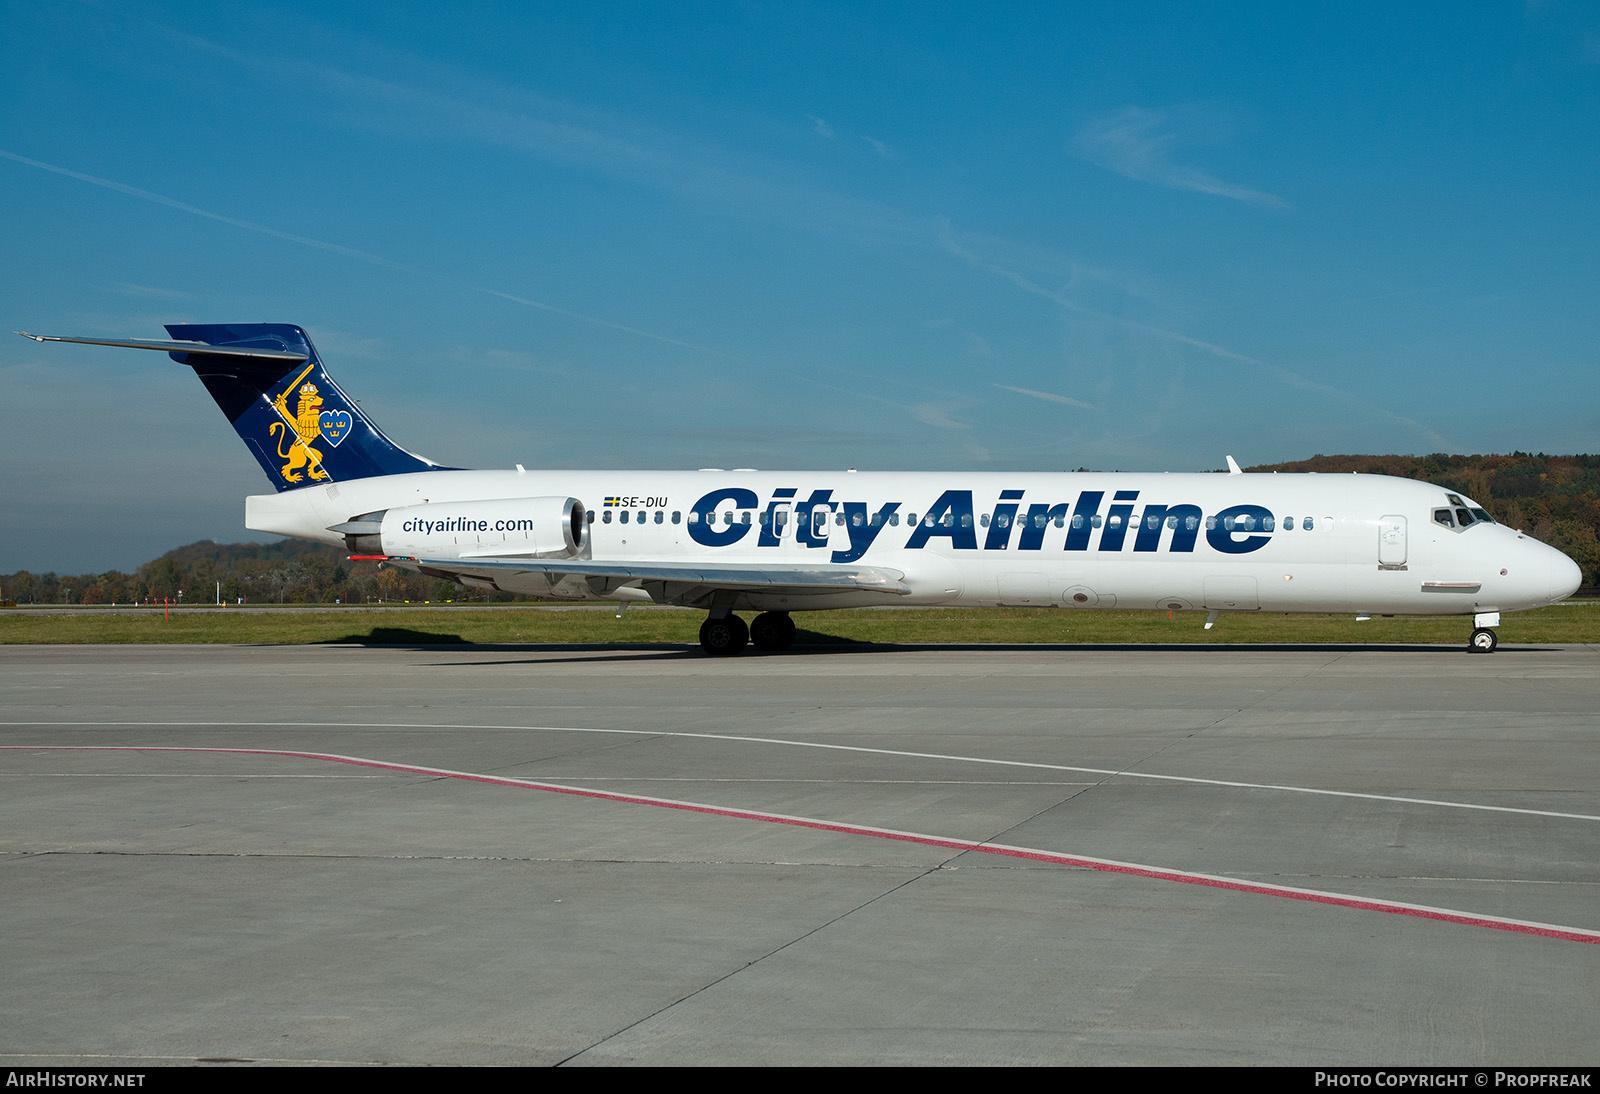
column 679, row 582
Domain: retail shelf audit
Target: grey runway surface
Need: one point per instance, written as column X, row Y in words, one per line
column 1267, row 856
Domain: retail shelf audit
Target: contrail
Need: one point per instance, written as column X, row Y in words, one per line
column 349, row 252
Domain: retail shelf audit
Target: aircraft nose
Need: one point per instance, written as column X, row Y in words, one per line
column 1565, row 576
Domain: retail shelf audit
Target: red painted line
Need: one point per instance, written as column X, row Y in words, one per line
column 1419, row 911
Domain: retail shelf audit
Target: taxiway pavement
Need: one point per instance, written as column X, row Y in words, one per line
column 1316, row 856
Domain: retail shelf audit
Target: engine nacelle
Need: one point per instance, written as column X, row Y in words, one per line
column 515, row 527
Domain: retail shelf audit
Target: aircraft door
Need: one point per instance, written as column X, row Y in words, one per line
column 1392, row 543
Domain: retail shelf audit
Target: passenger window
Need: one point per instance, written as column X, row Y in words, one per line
column 911, row 520
column 1116, row 520
column 1152, row 522
column 839, row 519
column 877, row 519
column 984, row 520
column 727, row 518
column 606, row 517
column 623, row 516
column 1003, row 520
column 744, row 518
column 1211, row 524
column 894, row 520
column 1227, row 524
column 676, row 513
column 1308, row 524
column 1077, row 520
column 590, row 515
column 1061, row 520
column 1172, row 522
column 1192, row 523
column 660, row 515
column 1267, row 524
column 694, row 516
column 1097, row 520
column 966, row 520
column 855, row 519
column 1288, row 524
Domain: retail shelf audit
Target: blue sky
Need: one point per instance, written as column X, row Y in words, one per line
column 893, row 236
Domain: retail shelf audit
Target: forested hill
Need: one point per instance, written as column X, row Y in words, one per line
column 1555, row 499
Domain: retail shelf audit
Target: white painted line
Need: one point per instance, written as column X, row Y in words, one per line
column 1117, row 772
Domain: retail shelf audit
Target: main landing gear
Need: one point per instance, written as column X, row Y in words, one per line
column 725, row 636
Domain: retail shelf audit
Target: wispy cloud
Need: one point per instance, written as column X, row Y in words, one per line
column 1048, row 396
column 878, row 146
column 1140, row 144
column 124, row 288
column 936, row 415
column 1283, row 375
column 820, row 127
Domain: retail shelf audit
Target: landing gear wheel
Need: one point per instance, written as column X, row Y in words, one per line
column 772, row 631
column 1483, row 640
column 724, row 637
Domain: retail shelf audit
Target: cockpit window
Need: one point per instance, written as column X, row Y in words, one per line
column 1442, row 516
column 1464, row 517
column 1482, row 515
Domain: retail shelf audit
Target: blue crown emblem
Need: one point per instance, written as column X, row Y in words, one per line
column 334, row 425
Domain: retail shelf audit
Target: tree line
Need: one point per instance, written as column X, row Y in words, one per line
column 290, row 572
column 1555, row 499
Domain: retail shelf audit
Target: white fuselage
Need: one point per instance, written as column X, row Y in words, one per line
column 1318, row 543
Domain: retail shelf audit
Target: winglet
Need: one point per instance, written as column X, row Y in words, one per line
column 1233, row 467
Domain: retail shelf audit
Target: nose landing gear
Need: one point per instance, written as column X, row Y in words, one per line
column 1483, row 639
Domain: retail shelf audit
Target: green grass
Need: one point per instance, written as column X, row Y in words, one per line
column 656, row 626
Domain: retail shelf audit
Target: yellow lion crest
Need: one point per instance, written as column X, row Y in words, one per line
column 306, row 429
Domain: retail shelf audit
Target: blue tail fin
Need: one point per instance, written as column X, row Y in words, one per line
column 302, row 429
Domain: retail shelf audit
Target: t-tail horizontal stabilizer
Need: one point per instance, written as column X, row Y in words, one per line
column 269, row 381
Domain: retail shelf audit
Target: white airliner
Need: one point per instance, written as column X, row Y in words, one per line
column 782, row 542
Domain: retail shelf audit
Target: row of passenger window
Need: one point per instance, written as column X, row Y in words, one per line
column 819, row 519
column 643, row 516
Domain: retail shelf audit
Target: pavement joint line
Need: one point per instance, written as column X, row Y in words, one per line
column 1157, row 873
column 730, row 974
